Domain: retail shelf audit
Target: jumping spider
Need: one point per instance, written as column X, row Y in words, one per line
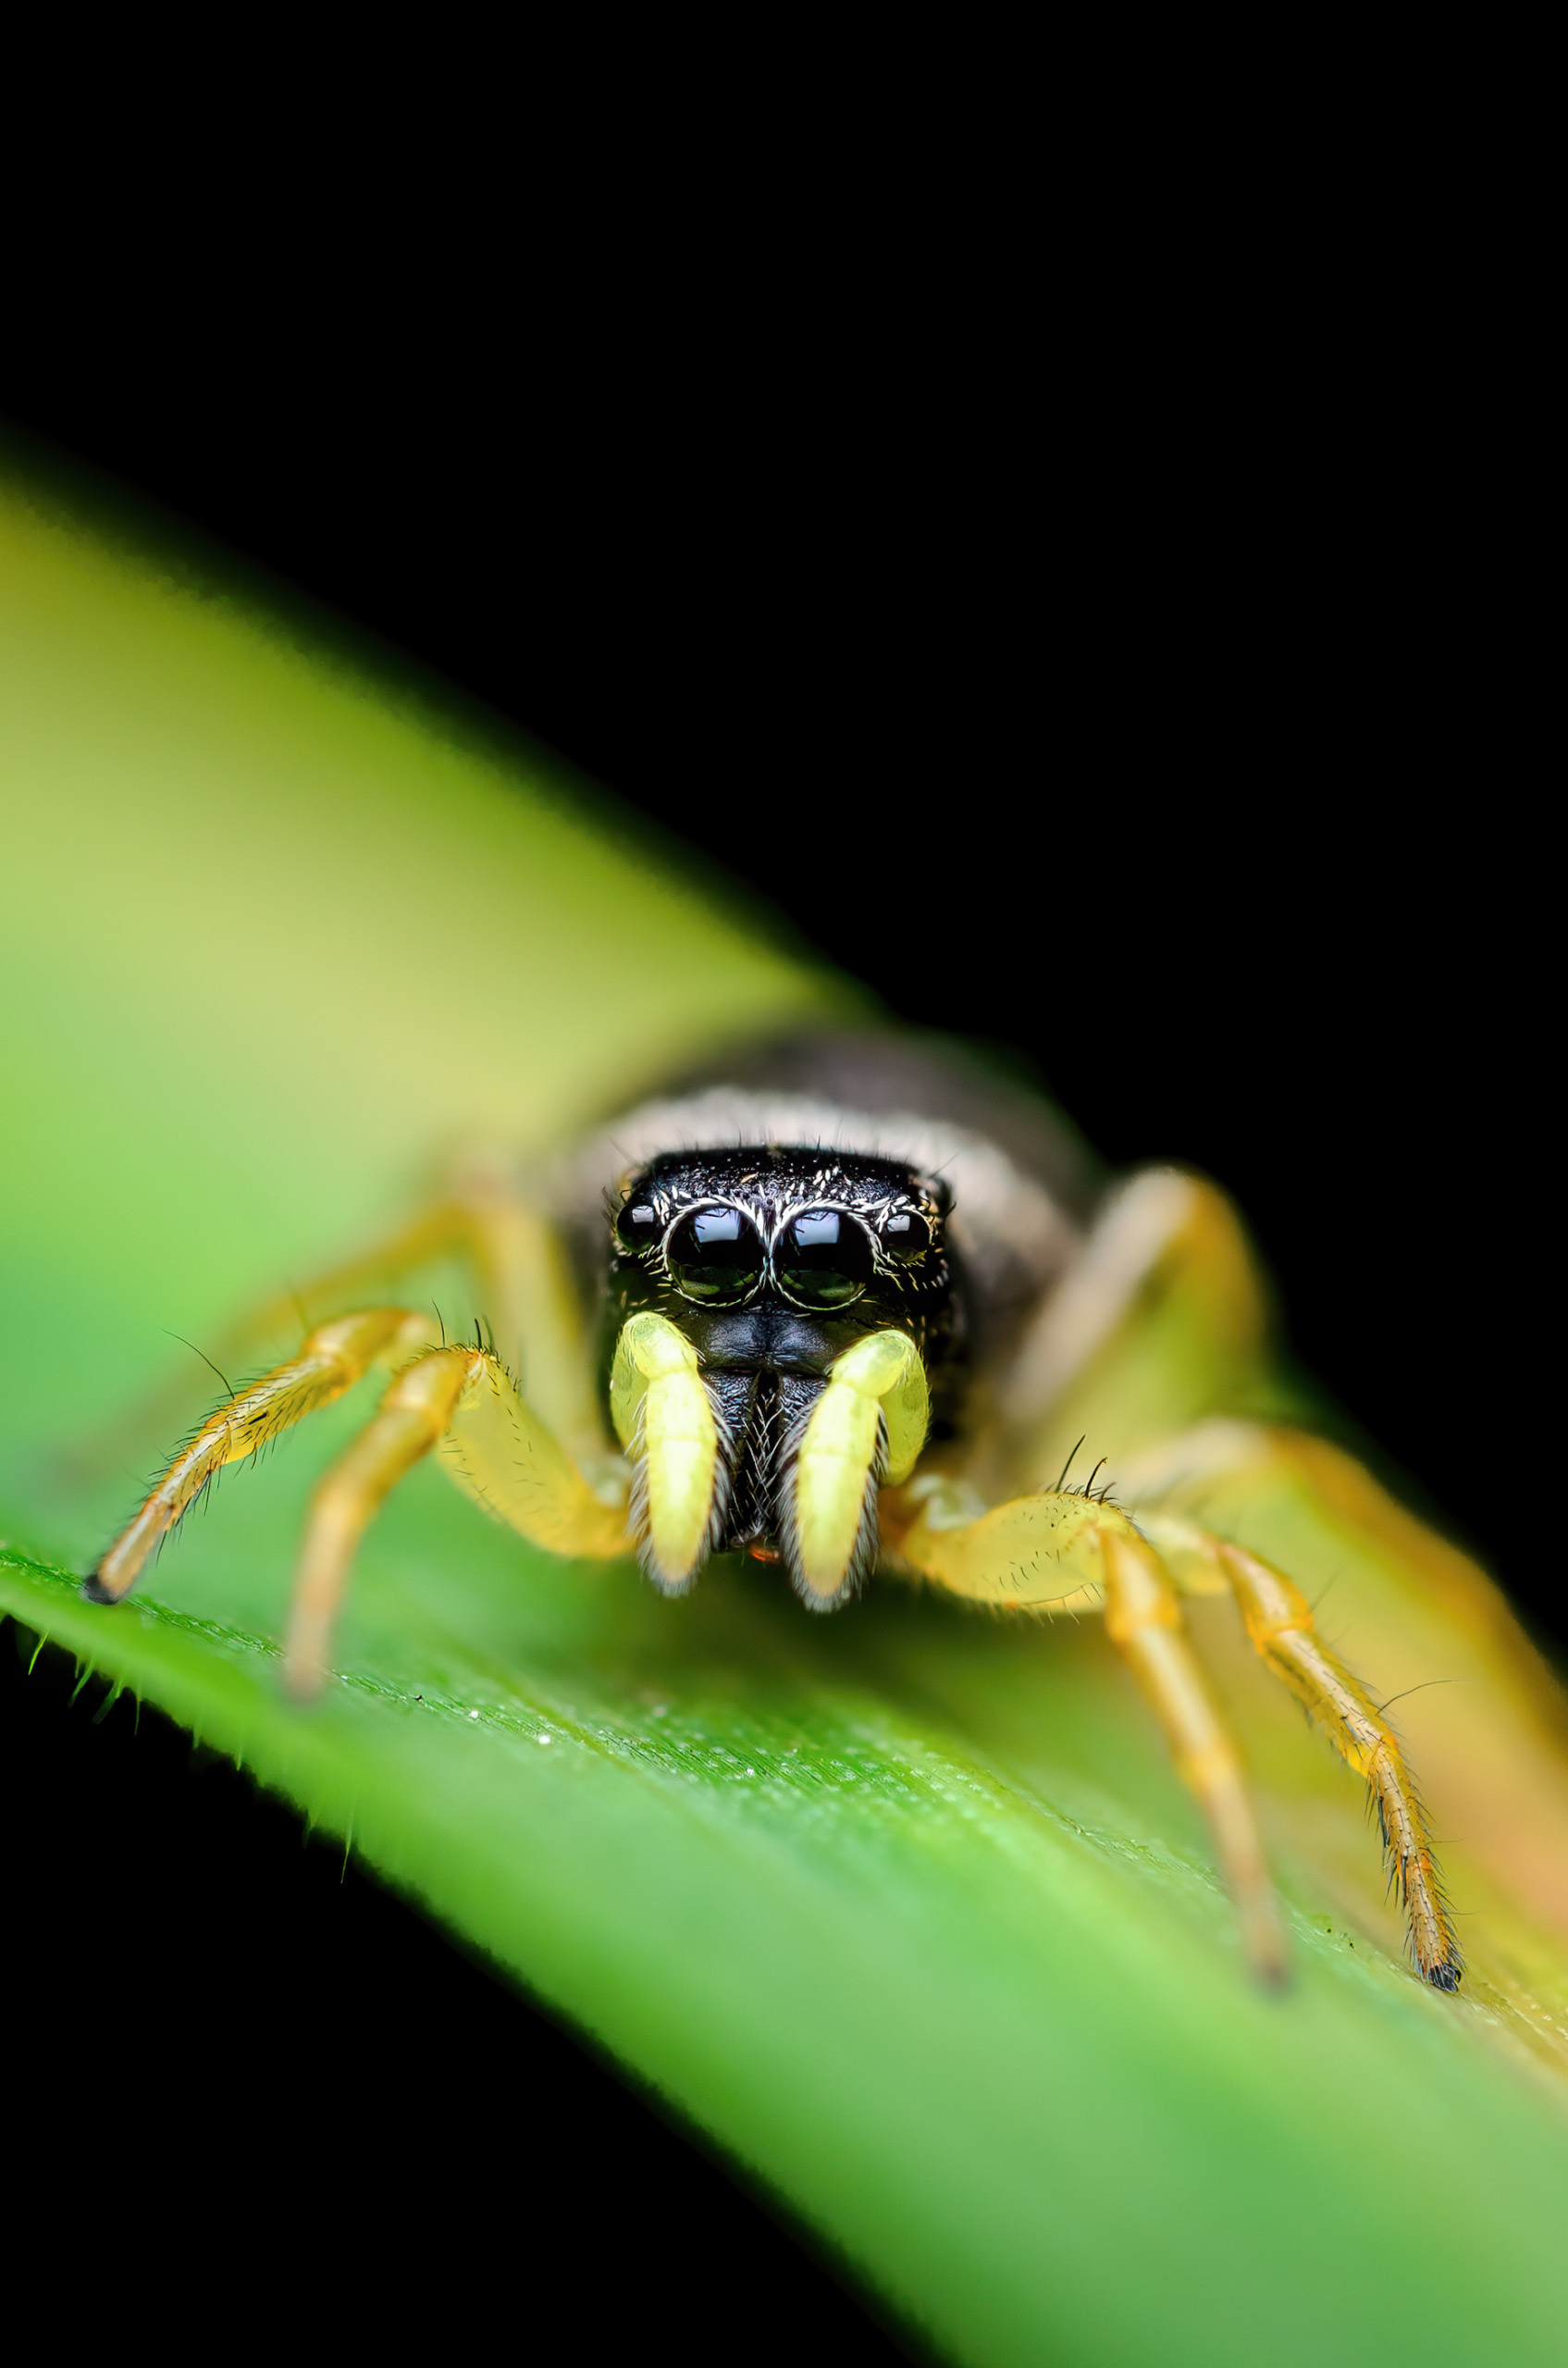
column 823, row 1311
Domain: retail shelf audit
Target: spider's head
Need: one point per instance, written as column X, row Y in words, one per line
column 772, row 1261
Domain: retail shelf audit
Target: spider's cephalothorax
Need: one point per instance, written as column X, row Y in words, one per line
column 773, row 1261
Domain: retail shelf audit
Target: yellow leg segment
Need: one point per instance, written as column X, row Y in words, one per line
column 500, row 1451
column 462, row 1402
column 459, row 1399
column 331, row 1361
column 527, row 1289
column 1038, row 1554
column 1057, row 1551
column 1143, row 1620
column 411, row 1418
column 1281, row 1625
column 522, row 1283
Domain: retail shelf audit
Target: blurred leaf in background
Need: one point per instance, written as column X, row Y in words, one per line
column 905, row 1909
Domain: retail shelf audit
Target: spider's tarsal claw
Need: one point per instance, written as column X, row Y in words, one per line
column 95, row 1592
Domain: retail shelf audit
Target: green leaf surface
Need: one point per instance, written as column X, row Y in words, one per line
column 903, row 1907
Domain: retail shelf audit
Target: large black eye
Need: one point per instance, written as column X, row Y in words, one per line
column 716, row 1256
column 906, row 1237
column 636, row 1228
column 823, row 1259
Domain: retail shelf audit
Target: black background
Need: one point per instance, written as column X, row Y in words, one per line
column 1149, row 708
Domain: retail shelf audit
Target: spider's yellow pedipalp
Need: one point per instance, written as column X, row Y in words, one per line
column 331, row 1359
column 665, row 1420
column 876, row 1407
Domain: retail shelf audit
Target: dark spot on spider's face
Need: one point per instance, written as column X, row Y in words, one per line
column 716, row 1256
column 823, row 1259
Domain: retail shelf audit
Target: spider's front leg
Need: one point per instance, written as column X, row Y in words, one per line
column 458, row 1400
column 330, row 1360
column 1054, row 1552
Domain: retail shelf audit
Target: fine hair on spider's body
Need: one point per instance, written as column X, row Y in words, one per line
column 843, row 1306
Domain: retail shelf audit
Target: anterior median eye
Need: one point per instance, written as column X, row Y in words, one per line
column 823, row 1259
column 716, row 1256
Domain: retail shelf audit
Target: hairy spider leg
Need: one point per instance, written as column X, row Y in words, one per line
column 440, row 1232
column 522, row 1283
column 459, row 1399
column 462, row 1401
column 527, row 1289
column 523, row 1286
column 416, row 1409
column 330, row 1360
column 1161, row 1317
column 1283, row 1633
column 1059, row 1551
column 1161, row 1323
column 1143, row 1621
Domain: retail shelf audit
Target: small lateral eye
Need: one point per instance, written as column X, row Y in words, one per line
column 636, row 1228
column 716, row 1256
column 823, row 1259
column 906, row 1237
